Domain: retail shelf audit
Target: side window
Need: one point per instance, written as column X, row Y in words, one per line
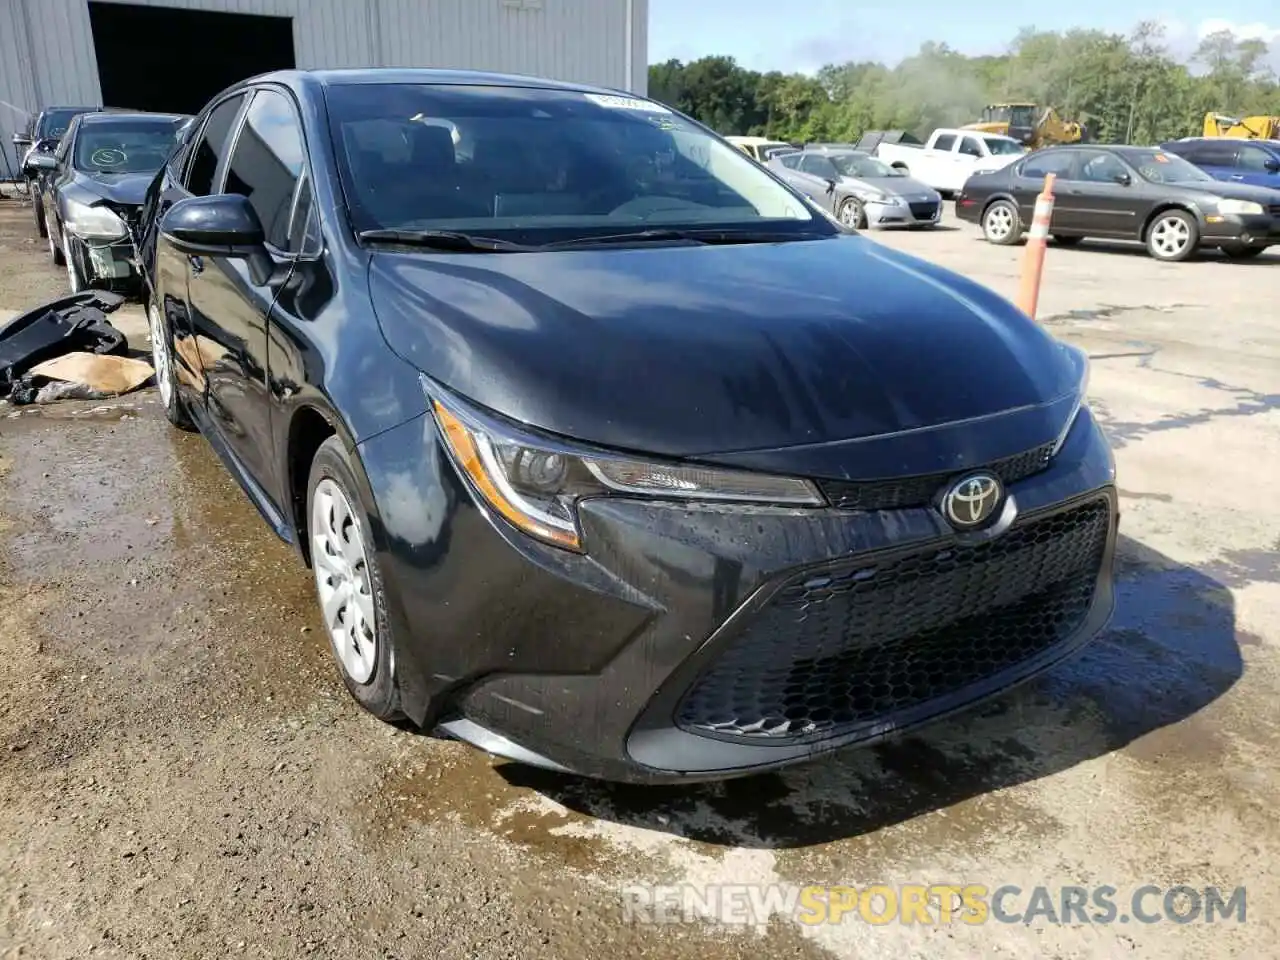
column 1254, row 159
column 64, row 145
column 818, row 167
column 1101, row 168
column 971, row 147
column 1214, row 154
column 211, row 146
column 945, row 141
column 1055, row 161
column 790, row 160
column 267, row 163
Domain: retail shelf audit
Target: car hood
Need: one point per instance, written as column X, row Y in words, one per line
column 895, row 186
column 121, row 189
column 700, row 351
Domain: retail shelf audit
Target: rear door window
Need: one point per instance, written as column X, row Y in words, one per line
column 971, row 147
column 945, row 141
column 1209, row 154
column 1057, row 162
column 211, row 147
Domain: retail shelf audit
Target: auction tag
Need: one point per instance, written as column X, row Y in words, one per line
column 626, row 103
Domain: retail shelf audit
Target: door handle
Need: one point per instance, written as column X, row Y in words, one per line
column 1237, row 176
column 197, row 264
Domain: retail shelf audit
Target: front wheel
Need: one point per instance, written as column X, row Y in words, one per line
column 55, row 251
column 1242, row 253
column 852, row 214
column 1001, row 224
column 349, row 583
column 75, row 279
column 1173, row 236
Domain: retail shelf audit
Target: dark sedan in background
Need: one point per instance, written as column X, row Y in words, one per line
column 41, row 135
column 1125, row 193
column 96, row 182
column 608, row 451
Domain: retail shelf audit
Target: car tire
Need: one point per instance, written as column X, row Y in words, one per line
column 1242, row 253
column 75, row 279
column 166, row 373
column 1172, row 236
column 346, row 569
column 55, row 251
column 852, row 213
column 1001, row 224
column 1066, row 241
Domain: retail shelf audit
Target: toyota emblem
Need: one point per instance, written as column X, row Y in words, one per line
column 971, row 501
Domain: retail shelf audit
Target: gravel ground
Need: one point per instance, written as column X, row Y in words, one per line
column 182, row 774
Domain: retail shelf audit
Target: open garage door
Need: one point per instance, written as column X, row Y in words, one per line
column 173, row 61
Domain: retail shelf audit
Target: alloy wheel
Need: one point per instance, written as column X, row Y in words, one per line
column 851, row 214
column 1170, row 236
column 73, row 275
column 999, row 223
column 343, row 582
column 160, row 357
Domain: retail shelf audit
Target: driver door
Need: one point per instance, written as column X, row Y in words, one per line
column 815, row 176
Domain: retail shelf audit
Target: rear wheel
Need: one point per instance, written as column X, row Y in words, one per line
column 349, row 583
column 1001, row 224
column 1172, row 236
column 166, row 374
column 1242, row 253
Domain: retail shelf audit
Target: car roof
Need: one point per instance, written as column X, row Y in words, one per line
column 371, row 75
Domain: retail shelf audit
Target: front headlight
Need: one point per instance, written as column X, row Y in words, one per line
column 536, row 483
column 1080, row 360
column 1239, row 207
column 93, row 223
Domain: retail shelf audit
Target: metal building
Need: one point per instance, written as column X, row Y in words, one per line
column 174, row 54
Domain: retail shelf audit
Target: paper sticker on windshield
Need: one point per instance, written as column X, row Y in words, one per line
column 626, row 103
column 1161, row 158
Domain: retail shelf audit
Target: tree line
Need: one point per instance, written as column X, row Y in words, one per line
column 1127, row 89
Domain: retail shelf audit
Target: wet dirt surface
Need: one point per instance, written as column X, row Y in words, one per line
column 183, row 775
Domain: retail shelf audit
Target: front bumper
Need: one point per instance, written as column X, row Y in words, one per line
column 701, row 642
column 920, row 213
column 1257, row 230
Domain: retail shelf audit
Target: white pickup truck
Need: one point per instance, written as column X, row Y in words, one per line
column 951, row 156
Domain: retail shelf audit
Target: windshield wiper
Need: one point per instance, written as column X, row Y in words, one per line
column 668, row 235
column 444, row 240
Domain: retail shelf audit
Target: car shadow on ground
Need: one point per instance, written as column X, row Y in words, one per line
column 1170, row 650
column 1126, row 249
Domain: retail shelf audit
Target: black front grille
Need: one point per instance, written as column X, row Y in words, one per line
column 924, row 211
column 902, row 492
column 862, row 642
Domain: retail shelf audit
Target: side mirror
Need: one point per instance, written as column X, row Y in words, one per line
column 37, row 162
column 223, row 225
column 1123, row 179
column 831, row 185
column 1272, row 165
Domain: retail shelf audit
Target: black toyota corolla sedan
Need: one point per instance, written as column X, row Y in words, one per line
column 1144, row 194
column 609, row 452
column 96, row 181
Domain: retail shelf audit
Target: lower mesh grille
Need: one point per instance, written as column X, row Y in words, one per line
column 860, row 643
column 924, row 211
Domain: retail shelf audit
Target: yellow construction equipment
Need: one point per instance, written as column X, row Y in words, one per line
column 1251, row 128
column 1028, row 124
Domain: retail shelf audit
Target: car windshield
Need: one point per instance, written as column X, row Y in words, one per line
column 125, row 146
column 1157, row 166
column 54, row 123
column 998, row 146
column 543, row 165
column 862, row 166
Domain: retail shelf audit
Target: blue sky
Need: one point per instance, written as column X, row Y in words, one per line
column 781, row 35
